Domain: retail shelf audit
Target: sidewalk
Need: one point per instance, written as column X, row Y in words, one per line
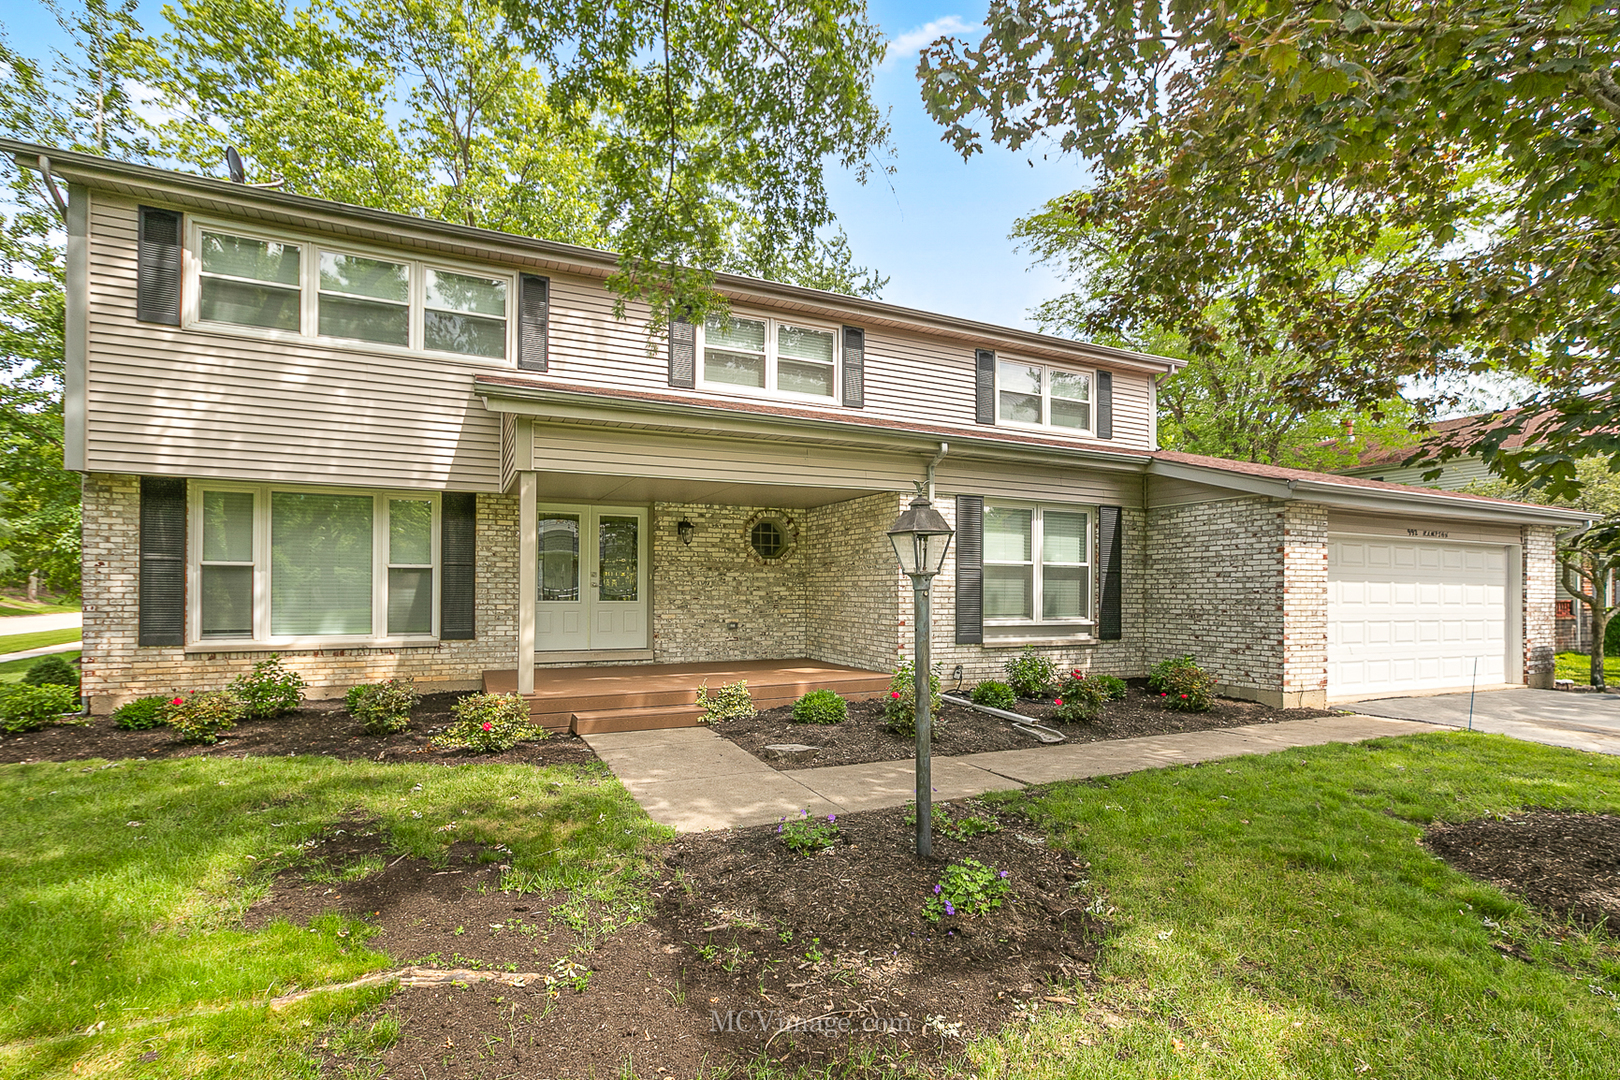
column 38, row 624
column 695, row 780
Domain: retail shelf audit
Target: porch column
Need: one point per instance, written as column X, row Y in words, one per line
column 528, row 567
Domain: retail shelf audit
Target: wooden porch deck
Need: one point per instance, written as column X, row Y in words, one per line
column 640, row 697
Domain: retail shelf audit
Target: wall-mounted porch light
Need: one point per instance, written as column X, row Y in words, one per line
column 684, row 530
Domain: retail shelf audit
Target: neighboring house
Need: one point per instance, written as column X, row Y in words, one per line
column 378, row 445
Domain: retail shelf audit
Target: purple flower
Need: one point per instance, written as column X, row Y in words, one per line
column 936, row 890
column 1004, row 875
column 832, row 817
column 948, row 909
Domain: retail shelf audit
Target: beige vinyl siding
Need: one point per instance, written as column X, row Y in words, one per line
column 1172, row 491
column 1006, row 480
column 207, row 403
column 1454, row 475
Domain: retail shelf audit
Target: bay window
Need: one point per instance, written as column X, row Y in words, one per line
column 1037, row 564
column 282, row 565
column 1042, row 396
column 769, row 355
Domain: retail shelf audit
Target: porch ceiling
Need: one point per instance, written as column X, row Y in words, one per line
column 637, row 490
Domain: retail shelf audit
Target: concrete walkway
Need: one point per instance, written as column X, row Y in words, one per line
column 1556, row 718
column 694, row 780
column 38, row 624
column 28, row 654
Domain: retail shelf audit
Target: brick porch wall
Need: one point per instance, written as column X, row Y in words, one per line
column 1540, row 542
column 852, row 581
column 1305, row 577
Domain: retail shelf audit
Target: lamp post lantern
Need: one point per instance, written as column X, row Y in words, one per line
column 921, row 537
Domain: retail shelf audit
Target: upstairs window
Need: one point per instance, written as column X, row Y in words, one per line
column 464, row 314
column 248, row 282
column 365, row 299
column 1042, row 397
column 770, row 356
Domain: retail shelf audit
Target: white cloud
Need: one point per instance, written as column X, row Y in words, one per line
column 908, row 44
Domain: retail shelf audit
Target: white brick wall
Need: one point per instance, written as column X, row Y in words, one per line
column 1540, row 543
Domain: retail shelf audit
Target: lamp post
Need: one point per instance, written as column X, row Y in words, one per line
column 920, row 538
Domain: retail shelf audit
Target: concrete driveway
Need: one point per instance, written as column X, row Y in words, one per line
column 1557, row 718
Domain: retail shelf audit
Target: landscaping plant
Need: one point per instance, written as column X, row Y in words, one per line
column 997, row 695
column 900, row 708
column 268, row 690
column 820, row 707
column 142, row 714
column 1115, row 686
column 51, row 671
column 960, row 829
column 382, row 708
column 200, row 717
column 809, row 834
column 489, row 723
column 1080, row 698
column 731, row 702
column 1182, row 685
column 966, row 888
column 1030, row 674
column 29, row 708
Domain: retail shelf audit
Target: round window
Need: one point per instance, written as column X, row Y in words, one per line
column 771, row 536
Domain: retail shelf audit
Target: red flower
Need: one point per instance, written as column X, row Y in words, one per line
column 488, row 726
column 177, row 701
column 1183, row 697
column 895, row 694
column 1059, row 701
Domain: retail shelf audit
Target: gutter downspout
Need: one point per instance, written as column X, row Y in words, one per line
column 944, row 448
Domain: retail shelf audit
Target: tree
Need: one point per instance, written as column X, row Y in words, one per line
column 1241, row 148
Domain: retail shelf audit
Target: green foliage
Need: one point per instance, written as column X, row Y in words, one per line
column 29, row 708
column 967, row 888
column 269, row 690
column 142, row 714
column 489, row 724
column 731, row 702
column 1030, row 674
column 1182, row 685
column 900, row 707
column 997, row 695
column 200, row 717
column 820, row 707
column 1114, row 686
column 53, row 670
column 808, row 835
column 1081, row 697
column 960, row 829
column 382, row 708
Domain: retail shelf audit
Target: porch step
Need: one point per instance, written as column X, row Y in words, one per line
column 642, row 719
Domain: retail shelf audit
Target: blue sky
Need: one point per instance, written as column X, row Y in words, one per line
column 937, row 226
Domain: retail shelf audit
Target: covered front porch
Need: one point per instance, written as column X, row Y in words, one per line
column 639, row 697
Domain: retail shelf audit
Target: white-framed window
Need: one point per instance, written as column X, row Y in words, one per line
column 301, row 289
column 1040, row 396
column 769, row 356
column 281, row 565
column 1037, row 564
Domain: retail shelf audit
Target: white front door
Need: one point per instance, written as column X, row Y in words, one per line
column 592, row 579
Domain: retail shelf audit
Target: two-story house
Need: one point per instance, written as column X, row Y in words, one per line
column 383, row 446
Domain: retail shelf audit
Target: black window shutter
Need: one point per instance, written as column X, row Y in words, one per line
column 157, row 267
column 854, row 367
column 1105, row 405
column 163, row 561
column 1110, row 554
column 970, row 570
column 984, row 384
column 458, row 578
column 534, row 311
column 682, row 353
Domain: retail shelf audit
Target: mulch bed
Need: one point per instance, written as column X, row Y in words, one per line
column 317, row 727
column 822, row 958
column 959, row 730
column 1566, row 864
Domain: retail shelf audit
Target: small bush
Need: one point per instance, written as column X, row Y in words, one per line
column 489, row 723
column 809, row 834
column 997, row 695
column 142, row 714
column 51, row 671
column 966, row 888
column 200, row 718
column 1030, row 674
column 1116, row 687
column 382, row 708
column 1080, row 697
column 820, row 707
column 268, row 690
column 900, row 708
column 29, row 708
column 1182, row 685
column 731, row 702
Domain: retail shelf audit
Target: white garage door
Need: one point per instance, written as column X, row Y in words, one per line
column 1409, row 615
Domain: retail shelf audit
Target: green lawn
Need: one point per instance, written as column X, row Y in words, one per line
column 1275, row 918
column 13, row 605
column 122, row 887
column 12, row 671
column 38, row 640
column 1578, row 666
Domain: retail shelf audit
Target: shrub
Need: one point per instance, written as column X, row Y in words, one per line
column 808, row 834
column 1182, row 685
column 201, row 717
column 997, row 695
column 1080, row 697
column 51, row 671
column 820, row 707
column 966, row 888
column 900, row 709
column 489, row 723
column 1116, row 687
column 268, row 690
column 1030, row 674
column 382, row 708
column 142, row 714
column 29, row 708
column 731, row 702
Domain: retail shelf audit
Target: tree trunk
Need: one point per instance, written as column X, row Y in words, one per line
column 1600, row 625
